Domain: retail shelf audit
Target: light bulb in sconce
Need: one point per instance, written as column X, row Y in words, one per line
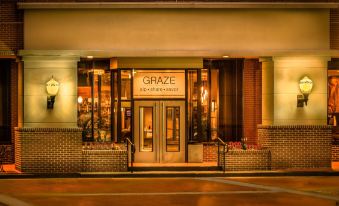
column 305, row 86
column 52, row 87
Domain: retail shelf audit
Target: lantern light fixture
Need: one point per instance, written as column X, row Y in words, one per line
column 305, row 85
column 52, row 87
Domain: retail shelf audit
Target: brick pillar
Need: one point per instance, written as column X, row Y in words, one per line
column 48, row 150
column 13, row 102
column 297, row 146
column 252, row 99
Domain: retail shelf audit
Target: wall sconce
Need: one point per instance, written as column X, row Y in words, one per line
column 52, row 87
column 305, row 85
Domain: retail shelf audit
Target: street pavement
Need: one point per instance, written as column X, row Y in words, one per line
column 201, row 191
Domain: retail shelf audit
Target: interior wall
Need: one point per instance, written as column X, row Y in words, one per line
column 287, row 73
column 38, row 71
column 128, row 30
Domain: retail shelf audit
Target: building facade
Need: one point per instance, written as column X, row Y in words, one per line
column 171, row 78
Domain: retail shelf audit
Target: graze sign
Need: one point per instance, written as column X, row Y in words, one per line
column 159, row 84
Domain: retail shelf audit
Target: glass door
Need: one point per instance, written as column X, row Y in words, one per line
column 159, row 131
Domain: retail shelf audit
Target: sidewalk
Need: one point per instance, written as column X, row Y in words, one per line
column 10, row 172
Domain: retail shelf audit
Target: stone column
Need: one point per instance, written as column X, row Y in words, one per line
column 267, row 91
column 37, row 71
column 288, row 70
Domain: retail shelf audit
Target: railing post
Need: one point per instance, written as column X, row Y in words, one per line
column 132, row 157
column 128, row 141
column 223, row 153
column 127, row 153
column 218, row 154
column 224, row 158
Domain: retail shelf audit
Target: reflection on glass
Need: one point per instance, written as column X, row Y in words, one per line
column 204, row 103
column 172, row 129
column 214, row 103
column 333, row 98
column 85, row 106
column 115, row 106
column 146, row 129
column 192, row 98
column 94, row 104
column 126, row 78
column 126, row 116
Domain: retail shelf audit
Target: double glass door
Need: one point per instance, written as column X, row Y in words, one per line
column 159, row 131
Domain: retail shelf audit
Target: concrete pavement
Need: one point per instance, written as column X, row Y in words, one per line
column 211, row 191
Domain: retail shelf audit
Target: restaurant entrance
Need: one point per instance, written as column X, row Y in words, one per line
column 159, row 131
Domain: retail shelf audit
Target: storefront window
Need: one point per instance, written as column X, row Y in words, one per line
column 125, row 123
column 192, row 99
column 333, row 97
column 204, row 102
column 214, row 115
column 5, row 132
column 146, row 129
column 94, row 101
column 172, row 129
column 198, row 104
column 214, row 103
column 230, row 102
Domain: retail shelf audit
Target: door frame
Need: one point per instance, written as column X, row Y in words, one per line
column 159, row 153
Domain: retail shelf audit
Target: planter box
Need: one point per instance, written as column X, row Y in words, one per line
column 104, row 160
column 246, row 160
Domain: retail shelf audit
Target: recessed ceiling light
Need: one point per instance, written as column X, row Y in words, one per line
column 225, row 56
column 89, row 57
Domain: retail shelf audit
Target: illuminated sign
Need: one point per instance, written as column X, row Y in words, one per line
column 159, row 84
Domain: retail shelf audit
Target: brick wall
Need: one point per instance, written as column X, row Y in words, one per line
column 335, row 150
column 11, row 26
column 251, row 99
column 245, row 160
column 48, row 150
column 104, row 160
column 210, row 151
column 334, row 28
column 297, row 146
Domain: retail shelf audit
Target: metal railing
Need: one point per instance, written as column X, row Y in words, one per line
column 223, row 152
column 132, row 150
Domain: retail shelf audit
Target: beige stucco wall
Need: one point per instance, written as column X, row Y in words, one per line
column 37, row 71
column 287, row 73
column 267, row 92
column 128, row 30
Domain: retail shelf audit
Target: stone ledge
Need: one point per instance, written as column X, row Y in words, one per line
column 294, row 127
column 93, row 152
column 36, row 129
column 232, row 152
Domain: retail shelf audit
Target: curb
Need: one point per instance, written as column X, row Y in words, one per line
column 169, row 174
